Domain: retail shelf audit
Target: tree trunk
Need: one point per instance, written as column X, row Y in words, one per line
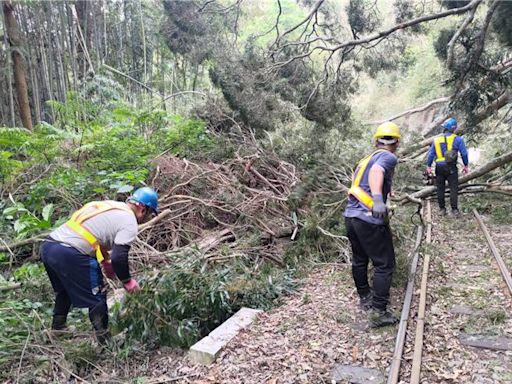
column 72, row 43
column 20, row 76
column 12, row 115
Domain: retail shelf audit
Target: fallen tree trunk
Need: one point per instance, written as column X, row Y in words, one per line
column 493, row 164
column 503, row 100
column 441, row 100
column 501, row 189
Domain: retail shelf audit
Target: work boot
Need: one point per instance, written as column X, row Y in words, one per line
column 442, row 211
column 102, row 336
column 59, row 322
column 381, row 318
column 365, row 301
column 99, row 319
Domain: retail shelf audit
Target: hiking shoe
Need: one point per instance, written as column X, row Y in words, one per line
column 455, row 212
column 379, row 318
column 365, row 301
column 442, row 211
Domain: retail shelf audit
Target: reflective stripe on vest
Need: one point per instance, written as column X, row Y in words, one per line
column 75, row 223
column 437, row 145
column 355, row 190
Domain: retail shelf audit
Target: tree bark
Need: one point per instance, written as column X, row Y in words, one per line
column 20, row 75
column 12, row 114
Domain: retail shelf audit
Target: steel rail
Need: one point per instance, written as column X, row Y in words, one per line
column 499, row 260
column 420, row 322
column 394, row 369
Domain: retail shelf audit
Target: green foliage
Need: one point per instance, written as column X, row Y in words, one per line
column 451, row 4
column 102, row 90
column 20, row 149
column 190, row 299
column 188, row 137
column 77, row 114
column 101, row 150
column 441, row 43
column 406, row 10
column 20, row 321
column 29, row 271
column 26, row 223
column 362, row 16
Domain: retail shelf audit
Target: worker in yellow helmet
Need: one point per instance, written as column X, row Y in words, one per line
column 367, row 225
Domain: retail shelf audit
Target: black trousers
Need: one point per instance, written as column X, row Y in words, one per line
column 76, row 280
column 445, row 172
column 372, row 242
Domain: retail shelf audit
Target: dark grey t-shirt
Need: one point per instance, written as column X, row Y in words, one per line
column 387, row 161
column 116, row 226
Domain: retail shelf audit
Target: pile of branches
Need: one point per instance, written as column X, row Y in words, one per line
column 219, row 211
column 211, row 251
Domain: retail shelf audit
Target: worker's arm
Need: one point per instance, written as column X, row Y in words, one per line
column 463, row 151
column 376, row 181
column 120, row 262
column 431, row 155
column 122, row 268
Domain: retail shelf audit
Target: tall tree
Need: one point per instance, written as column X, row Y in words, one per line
column 20, row 77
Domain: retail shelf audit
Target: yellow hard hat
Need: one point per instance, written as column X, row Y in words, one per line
column 387, row 129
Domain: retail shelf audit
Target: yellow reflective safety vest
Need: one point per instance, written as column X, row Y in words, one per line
column 449, row 145
column 355, row 190
column 77, row 219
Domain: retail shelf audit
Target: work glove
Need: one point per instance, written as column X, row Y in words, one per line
column 108, row 270
column 131, row 286
column 429, row 170
column 465, row 170
column 379, row 210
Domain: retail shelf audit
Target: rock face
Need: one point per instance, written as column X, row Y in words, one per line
column 206, row 350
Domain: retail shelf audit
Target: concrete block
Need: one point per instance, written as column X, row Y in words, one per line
column 356, row 375
column 461, row 309
column 498, row 343
column 206, row 350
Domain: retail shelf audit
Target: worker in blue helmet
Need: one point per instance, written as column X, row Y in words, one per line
column 97, row 237
column 444, row 150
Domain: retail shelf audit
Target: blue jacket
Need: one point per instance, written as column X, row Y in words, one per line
column 458, row 146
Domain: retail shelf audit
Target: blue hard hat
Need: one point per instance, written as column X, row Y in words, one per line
column 450, row 124
column 146, row 196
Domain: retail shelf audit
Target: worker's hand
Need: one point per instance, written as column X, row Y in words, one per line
column 108, row 270
column 465, row 170
column 429, row 170
column 379, row 210
column 131, row 286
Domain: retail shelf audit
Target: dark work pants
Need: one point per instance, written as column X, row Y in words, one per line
column 445, row 172
column 77, row 280
column 371, row 242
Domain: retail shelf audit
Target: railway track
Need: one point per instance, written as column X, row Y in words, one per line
column 417, row 318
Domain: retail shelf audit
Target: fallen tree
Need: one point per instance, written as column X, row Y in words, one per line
column 486, row 168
